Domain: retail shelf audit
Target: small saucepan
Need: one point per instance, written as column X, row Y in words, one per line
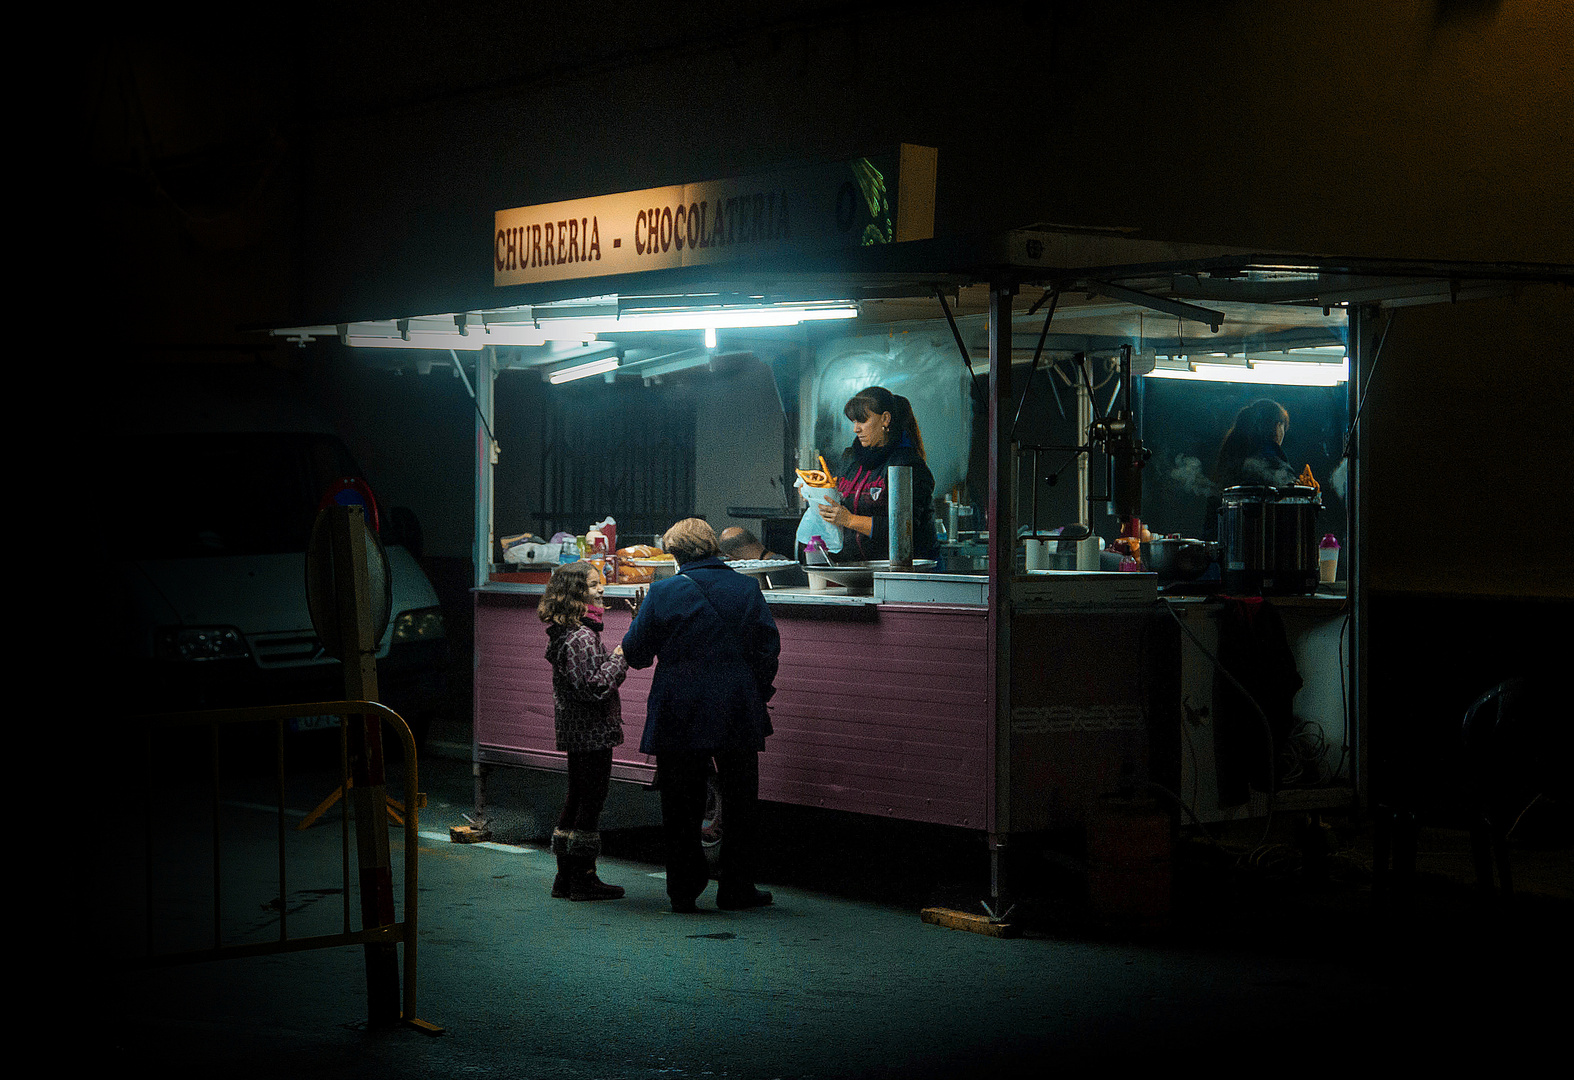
column 1175, row 559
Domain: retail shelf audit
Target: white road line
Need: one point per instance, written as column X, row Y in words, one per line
column 513, row 849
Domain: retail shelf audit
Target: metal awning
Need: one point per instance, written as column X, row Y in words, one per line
column 1111, row 289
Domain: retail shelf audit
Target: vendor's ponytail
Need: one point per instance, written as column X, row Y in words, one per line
column 907, row 422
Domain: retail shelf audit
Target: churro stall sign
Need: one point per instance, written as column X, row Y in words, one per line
column 881, row 199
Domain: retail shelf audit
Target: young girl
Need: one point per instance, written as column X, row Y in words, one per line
column 588, row 719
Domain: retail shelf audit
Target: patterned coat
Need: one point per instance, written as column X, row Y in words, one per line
column 585, row 681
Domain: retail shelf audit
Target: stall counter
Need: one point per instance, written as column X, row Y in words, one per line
column 880, row 707
column 883, row 704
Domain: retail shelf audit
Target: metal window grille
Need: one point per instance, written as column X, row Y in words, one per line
column 623, row 451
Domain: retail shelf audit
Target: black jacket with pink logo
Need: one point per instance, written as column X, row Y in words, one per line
column 862, row 488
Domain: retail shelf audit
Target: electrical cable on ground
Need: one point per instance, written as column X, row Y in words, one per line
column 1267, row 727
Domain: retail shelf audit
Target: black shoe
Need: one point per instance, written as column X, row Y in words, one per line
column 587, row 886
column 751, row 899
column 683, row 907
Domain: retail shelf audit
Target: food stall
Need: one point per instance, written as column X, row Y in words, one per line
column 1043, row 670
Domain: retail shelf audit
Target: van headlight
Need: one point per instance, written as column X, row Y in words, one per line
column 200, row 643
column 421, row 624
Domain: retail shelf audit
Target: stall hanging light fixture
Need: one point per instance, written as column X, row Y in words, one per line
column 477, row 338
column 1274, row 372
column 442, row 342
column 583, row 371
column 713, row 319
column 470, row 332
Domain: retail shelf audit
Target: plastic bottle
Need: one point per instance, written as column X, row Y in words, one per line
column 814, row 552
column 1328, row 559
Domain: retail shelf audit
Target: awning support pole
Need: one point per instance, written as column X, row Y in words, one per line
column 1364, row 347
column 1038, row 354
column 459, row 370
column 951, row 319
column 1375, row 354
column 485, row 459
column 486, row 420
column 1002, row 545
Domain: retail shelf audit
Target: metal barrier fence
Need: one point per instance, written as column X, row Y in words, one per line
column 392, row 933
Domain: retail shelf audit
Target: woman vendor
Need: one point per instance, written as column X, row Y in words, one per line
column 885, row 433
column 1252, row 454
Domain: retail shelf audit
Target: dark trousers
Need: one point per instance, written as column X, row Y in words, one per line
column 589, row 776
column 683, row 777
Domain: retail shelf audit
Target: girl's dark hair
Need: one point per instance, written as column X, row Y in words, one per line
column 874, row 400
column 567, row 594
column 1253, row 429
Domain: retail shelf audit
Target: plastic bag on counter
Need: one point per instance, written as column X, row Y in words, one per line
column 528, row 549
column 812, row 524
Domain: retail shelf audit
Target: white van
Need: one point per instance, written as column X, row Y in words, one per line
column 211, row 551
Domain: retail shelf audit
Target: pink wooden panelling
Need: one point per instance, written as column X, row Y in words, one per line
column 513, row 681
column 883, row 718
column 886, row 717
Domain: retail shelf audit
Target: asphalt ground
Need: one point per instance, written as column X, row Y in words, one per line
column 1264, row 959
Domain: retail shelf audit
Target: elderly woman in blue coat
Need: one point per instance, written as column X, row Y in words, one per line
column 715, row 646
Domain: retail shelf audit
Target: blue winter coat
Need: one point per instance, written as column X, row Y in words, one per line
column 717, row 646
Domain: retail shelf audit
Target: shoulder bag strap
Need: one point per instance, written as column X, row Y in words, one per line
column 705, row 595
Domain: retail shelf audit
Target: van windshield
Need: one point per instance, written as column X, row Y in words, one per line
column 192, row 495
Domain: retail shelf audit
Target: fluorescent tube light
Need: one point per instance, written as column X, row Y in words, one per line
column 672, row 363
column 1340, row 364
column 714, row 319
column 439, row 332
column 583, row 371
column 1275, row 373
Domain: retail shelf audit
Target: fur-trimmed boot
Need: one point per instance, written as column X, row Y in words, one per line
column 565, row 864
column 583, row 884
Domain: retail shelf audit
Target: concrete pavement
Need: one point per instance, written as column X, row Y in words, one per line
column 839, row 978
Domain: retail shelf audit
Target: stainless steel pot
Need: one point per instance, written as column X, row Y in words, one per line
column 1176, row 559
column 1268, row 540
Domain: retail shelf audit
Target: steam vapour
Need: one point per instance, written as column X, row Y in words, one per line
column 1340, row 480
column 1188, row 474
